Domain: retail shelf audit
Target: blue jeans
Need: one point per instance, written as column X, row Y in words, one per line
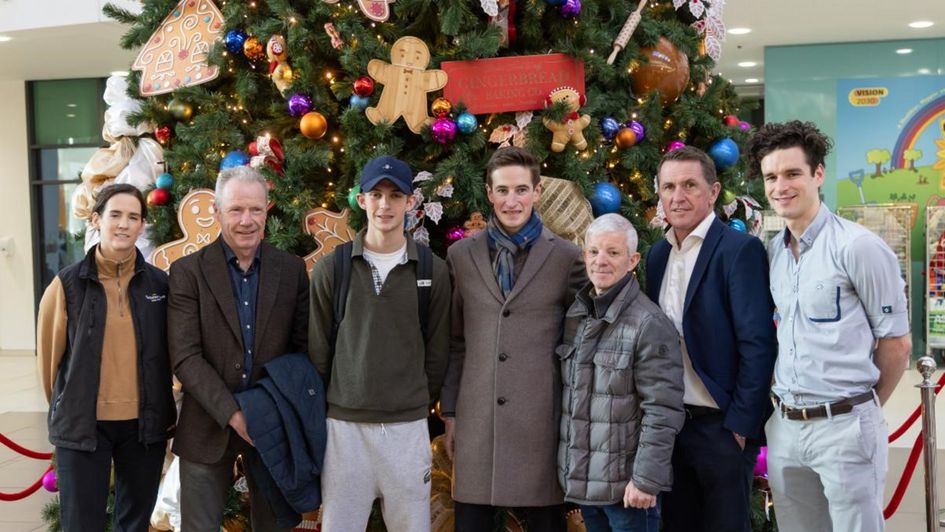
column 616, row 518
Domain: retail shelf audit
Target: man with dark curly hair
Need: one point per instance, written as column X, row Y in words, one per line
column 843, row 338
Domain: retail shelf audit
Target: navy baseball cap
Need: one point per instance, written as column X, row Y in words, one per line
column 389, row 168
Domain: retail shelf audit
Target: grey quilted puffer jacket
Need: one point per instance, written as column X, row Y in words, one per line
column 622, row 404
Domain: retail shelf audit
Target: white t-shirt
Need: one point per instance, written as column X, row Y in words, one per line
column 383, row 263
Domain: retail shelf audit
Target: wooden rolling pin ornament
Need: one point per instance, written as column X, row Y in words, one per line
column 626, row 32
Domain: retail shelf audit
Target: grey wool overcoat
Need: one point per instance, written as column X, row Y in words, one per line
column 503, row 382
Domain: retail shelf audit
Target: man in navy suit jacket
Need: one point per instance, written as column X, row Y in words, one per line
column 712, row 282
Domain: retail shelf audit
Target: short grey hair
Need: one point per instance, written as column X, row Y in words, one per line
column 613, row 223
column 245, row 174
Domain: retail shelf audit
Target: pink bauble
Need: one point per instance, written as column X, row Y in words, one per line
column 455, row 233
column 443, row 130
column 674, row 145
column 761, row 465
column 50, row 482
column 744, row 126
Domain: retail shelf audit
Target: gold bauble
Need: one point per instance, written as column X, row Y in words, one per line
column 626, row 138
column 667, row 71
column 313, row 125
column 180, row 110
column 441, row 107
column 253, row 49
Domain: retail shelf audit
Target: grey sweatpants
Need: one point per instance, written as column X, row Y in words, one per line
column 367, row 461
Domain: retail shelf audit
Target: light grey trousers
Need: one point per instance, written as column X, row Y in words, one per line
column 367, row 461
column 828, row 474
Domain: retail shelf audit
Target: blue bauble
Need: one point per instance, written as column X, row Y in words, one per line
column 234, row 40
column 737, row 225
column 609, row 128
column 724, row 153
column 359, row 102
column 466, row 123
column 605, row 199
column 555, row 2
column 233, row 159
column 165, row 181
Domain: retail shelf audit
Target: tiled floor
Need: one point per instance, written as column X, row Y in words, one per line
column 23, row 419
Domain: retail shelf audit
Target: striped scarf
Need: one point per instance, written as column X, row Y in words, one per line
column 506, row 247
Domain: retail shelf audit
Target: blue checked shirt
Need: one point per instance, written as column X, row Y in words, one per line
column 843, row 292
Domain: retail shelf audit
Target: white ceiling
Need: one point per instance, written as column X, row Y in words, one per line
column 785, row 22
column 91, row 50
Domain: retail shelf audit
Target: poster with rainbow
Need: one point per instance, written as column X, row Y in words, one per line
column 890, row 145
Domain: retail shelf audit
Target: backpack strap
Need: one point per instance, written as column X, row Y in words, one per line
column 342, row 257
column 424, row 285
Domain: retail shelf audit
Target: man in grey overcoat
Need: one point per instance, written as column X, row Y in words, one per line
column 501, row 399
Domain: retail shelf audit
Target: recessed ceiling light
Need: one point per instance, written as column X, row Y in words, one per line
column 738, row 31
column 919, row 24
column 123, row 73
column 924, row 71
column 5, row 38
column 70, row 115
column 747, row 64
column 71, row 105
column 751, row 80
column 904, row 51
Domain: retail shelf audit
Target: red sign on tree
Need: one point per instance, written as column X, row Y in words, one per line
column 509, row 84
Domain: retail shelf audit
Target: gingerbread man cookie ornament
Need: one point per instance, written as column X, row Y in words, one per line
column 196, row 219
column 329, row 229
column 571, row 128
column 406, row 83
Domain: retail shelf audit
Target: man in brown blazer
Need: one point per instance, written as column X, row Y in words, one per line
column 232, row 307
column 501, row 400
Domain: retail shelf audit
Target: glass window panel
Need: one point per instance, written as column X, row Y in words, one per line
column 62, row 235
column 63, row 164
column 67, row 112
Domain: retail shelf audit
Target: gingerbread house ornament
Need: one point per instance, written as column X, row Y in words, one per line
column 176, row 55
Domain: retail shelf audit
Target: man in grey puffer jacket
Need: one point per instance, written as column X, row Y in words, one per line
column 622, row 371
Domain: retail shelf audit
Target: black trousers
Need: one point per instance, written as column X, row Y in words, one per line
column 481, row 518
column 84, row 479
column 712, row 479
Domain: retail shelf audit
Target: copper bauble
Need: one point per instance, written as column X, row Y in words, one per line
column 441, row 107
column 253, row 49
column 666, row 71
column 625, row 138
column 313, row 125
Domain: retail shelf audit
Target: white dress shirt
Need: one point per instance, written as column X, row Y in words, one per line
column 679, row 266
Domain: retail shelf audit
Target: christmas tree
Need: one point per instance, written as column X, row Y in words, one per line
column 309, row 90
column 299, row 74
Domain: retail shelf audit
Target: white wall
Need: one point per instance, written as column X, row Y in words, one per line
column 17, row 330
column 19, row 15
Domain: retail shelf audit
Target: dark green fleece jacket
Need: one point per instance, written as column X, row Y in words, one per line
column 382, row 369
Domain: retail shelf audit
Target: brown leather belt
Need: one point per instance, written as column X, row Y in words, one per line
column 842, row 406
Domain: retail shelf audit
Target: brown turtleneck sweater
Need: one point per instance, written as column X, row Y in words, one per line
column 118, row 383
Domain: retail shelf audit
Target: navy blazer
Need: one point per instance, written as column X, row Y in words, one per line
column 728, row 323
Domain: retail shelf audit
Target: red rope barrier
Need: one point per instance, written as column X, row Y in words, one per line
column 915, row 414
column 23, row 450
column 27, row 492
column 904, row 480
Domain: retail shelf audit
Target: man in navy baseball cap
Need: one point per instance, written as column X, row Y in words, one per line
column 389, row 168
column 378, row 440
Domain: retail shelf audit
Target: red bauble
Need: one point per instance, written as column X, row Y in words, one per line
column 364, row 86
column 731, row 120
column 162, row 134
column 158, row 197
